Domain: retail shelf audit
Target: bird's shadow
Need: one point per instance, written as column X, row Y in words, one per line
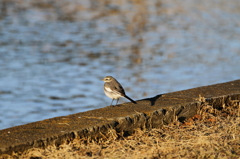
column 153, row 99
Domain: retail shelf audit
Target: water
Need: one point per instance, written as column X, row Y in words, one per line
column 52, row 56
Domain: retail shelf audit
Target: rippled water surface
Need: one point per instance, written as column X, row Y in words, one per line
column 53, row 55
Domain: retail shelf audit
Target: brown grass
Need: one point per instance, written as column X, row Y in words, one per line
column 211, row 133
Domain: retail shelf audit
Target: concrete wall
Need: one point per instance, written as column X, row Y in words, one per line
column 146, row 114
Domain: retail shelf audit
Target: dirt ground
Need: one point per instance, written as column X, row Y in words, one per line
column 212, row 133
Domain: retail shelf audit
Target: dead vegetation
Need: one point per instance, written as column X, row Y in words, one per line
column 211, row 133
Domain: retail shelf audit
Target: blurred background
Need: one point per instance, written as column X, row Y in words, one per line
column 54, row 53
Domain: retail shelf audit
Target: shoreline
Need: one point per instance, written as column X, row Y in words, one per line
column 147, row 114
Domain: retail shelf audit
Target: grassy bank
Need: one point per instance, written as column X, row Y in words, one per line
column 212, row 133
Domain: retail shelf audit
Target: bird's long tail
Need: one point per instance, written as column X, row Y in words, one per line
column 130, row 99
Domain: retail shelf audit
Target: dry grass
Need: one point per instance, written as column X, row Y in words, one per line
column 209, row 134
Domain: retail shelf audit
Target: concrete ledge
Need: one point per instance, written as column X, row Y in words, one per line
column 146, row 114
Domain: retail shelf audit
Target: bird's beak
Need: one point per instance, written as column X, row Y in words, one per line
column 102, row 79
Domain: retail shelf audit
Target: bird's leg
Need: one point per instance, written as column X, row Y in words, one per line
column 111, row 103
column 117, row 101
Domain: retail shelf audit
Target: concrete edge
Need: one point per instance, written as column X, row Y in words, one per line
column 126, row 124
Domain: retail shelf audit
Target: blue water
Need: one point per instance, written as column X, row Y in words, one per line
column 52, row 67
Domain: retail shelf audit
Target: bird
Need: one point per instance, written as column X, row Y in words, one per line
column 114, row 90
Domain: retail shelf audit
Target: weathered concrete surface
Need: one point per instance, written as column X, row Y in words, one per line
column 147, row 113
